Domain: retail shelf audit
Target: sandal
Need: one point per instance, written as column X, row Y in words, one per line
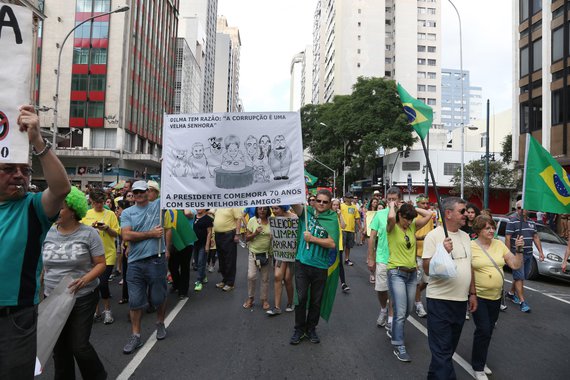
column 248, row 304
column 266, row 305
column 123, row 301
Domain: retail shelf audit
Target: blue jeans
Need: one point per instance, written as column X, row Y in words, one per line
column 73, row 343
column 18, row 343
column 485, row 318
column 200, row 253
column 444, row 323
column 402, row 288
column 147, row 276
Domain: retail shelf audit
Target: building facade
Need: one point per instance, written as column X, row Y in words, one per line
column 116, row 80
column 346, row 45
column 452, row 114
column 541, row 68
column 188, row 87
column 226, row 77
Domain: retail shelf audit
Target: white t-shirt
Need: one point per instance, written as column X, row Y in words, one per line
column 452, row 289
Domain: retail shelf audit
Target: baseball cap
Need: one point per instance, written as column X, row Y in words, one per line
column 153, row 185
column 348, row 195
column 376, row 192
column 140, row 185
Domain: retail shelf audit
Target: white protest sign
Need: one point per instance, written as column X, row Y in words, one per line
column 284, row 238
column 223, row 160
column 16, row 47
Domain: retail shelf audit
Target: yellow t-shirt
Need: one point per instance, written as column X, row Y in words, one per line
column 262, row 242
column 369, row 217
column 488, row 281
column 420, row 236
column 451, row 289
column 225, row 219
column 109, row 218
column 340, row 247
column 349, row 214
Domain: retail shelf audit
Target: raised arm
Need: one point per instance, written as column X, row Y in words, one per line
column 425, row 217
column 391, row 216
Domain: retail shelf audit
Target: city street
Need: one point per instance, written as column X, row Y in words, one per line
column 210, row 336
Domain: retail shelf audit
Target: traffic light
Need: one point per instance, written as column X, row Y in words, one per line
column 407, row 152
column 108, row 168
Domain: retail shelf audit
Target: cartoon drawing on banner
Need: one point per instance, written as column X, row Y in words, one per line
column 234, row 165
column 280, row 158
column 198, row 161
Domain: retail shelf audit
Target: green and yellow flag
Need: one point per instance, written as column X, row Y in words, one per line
column 310, row 180
column 546, row 185
column 420, row 115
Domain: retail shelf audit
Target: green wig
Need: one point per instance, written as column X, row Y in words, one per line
column 77, row 202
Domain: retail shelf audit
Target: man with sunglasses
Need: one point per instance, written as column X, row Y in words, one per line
column 24, row 220
column 317, row 242
column 351, row 215
column 148, row 255
column 448, row 299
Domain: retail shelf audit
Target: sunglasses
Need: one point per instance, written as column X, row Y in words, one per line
column 408, row 243
column 11, row 170
column 322, row 201
column 462, row 211
column 135, row 192
column 519, row 208
column 311, row 199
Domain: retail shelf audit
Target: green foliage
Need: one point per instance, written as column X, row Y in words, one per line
column 507, row 149
column 370, row 118
column 500, row 177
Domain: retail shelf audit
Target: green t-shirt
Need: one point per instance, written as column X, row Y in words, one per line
column 379, row 224
column 400, row 255
column 262, row 242
column 316, row 255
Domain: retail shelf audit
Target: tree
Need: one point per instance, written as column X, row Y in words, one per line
column 500, row 177
column 507, row 149
column 369, row 118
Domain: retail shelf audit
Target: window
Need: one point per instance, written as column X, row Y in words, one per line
column 536, row 115
column 557, row 105
column 83, row 31
column 388, row 60
column 101, row 29
column 431, row 102
column 79, row 82
column 421, row 11
column 80, row 56
column 410, row 166
column 421, row 48
column 536, row 6
column 537, row 55
column 102, row 6
column 431, row 62
column 431, row 11
column 431, row 49
column 421, row 61
column 523, row 7
column 450, row 168
column 431, row 88
column 359, row 24
column 524, row 61
column 83, row 6
column 524, row 116
column 421, row 36
column 97, row 83
column 95, row 109
column 432, row 75
column 357, row 51
column 388, row 47
column 77, row 109
column 431, row 37
column 421, row 74
column 104, row 138
column 98, row 56
column 421, row 87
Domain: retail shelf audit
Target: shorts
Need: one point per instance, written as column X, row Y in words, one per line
column 422, row 278
column 147, row 277
column 523, row 272
column 381, row 284
column 347, row 239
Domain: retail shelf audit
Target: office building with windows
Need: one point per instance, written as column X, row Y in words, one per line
column 452, row 116
column 116, row 81
column 226, row 73
column 541, row 95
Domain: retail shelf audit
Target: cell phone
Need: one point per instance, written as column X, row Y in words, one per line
column 99, row 224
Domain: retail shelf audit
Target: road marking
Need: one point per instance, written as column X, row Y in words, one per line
column 149, row 344
column 544, row 294
column 458, row 359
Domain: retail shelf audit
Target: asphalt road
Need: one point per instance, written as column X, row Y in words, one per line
column 210, row 336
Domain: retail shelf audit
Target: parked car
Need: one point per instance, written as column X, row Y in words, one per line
column 553, row 247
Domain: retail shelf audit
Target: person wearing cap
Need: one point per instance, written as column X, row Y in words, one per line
column 76, row 249
column 153, row 190
column 25, row 217
column 141, row 228
column 351, row 216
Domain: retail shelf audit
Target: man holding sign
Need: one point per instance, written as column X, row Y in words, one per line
column 24, row 220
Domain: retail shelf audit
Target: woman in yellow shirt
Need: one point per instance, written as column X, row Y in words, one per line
column 258, row 236
column 489, row 279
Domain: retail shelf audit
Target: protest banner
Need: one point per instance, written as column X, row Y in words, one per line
column 16, row 47
column 283, row 238
column 223, row 160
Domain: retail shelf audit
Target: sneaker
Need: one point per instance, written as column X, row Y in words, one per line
column 108, row 317
column 372, row 279
column 420, row 311
column 273, row 311
column 227, row 288
column 197, row 286
column 402, row 354
column 349, row 263
column 388, row 326
column 382, row 318
column 524, row 307
column 97, row 318
column 487, row 370
column 290, row 308
column 133, row 343
column 514, row 298
column 480, row 375
column 210, row 268
column 467, row 317
column 160, row 331
column 345, row 288
column 220, row 285
column 313, row 337
column 298, row 335
column 503, row 307
column 389, row 332
column 205, row 280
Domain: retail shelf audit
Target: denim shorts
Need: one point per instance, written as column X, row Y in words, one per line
column 523, row 272
column 147, row 274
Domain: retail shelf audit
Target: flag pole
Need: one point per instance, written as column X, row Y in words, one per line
column 524, row 181
column 434, row 187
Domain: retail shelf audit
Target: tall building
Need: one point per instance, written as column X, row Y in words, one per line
column 116, row 81
column 451, row 99
column 540, row 65
column 226, row 77
column 188, row 87
column 202, row 15
column 348, row 42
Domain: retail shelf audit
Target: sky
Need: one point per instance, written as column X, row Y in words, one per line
column 273, row 31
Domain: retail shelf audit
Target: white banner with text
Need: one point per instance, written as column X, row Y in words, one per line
column 284, row 238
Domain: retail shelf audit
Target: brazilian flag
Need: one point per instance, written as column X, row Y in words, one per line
column 546, row 185
column 310, row 180
column 420, row 115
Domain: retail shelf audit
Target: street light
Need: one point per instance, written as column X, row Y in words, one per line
column 56, row 97
column 331, row 169
column 461, row 109
column 343, row 163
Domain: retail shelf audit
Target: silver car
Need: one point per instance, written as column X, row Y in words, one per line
column 553, row 247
